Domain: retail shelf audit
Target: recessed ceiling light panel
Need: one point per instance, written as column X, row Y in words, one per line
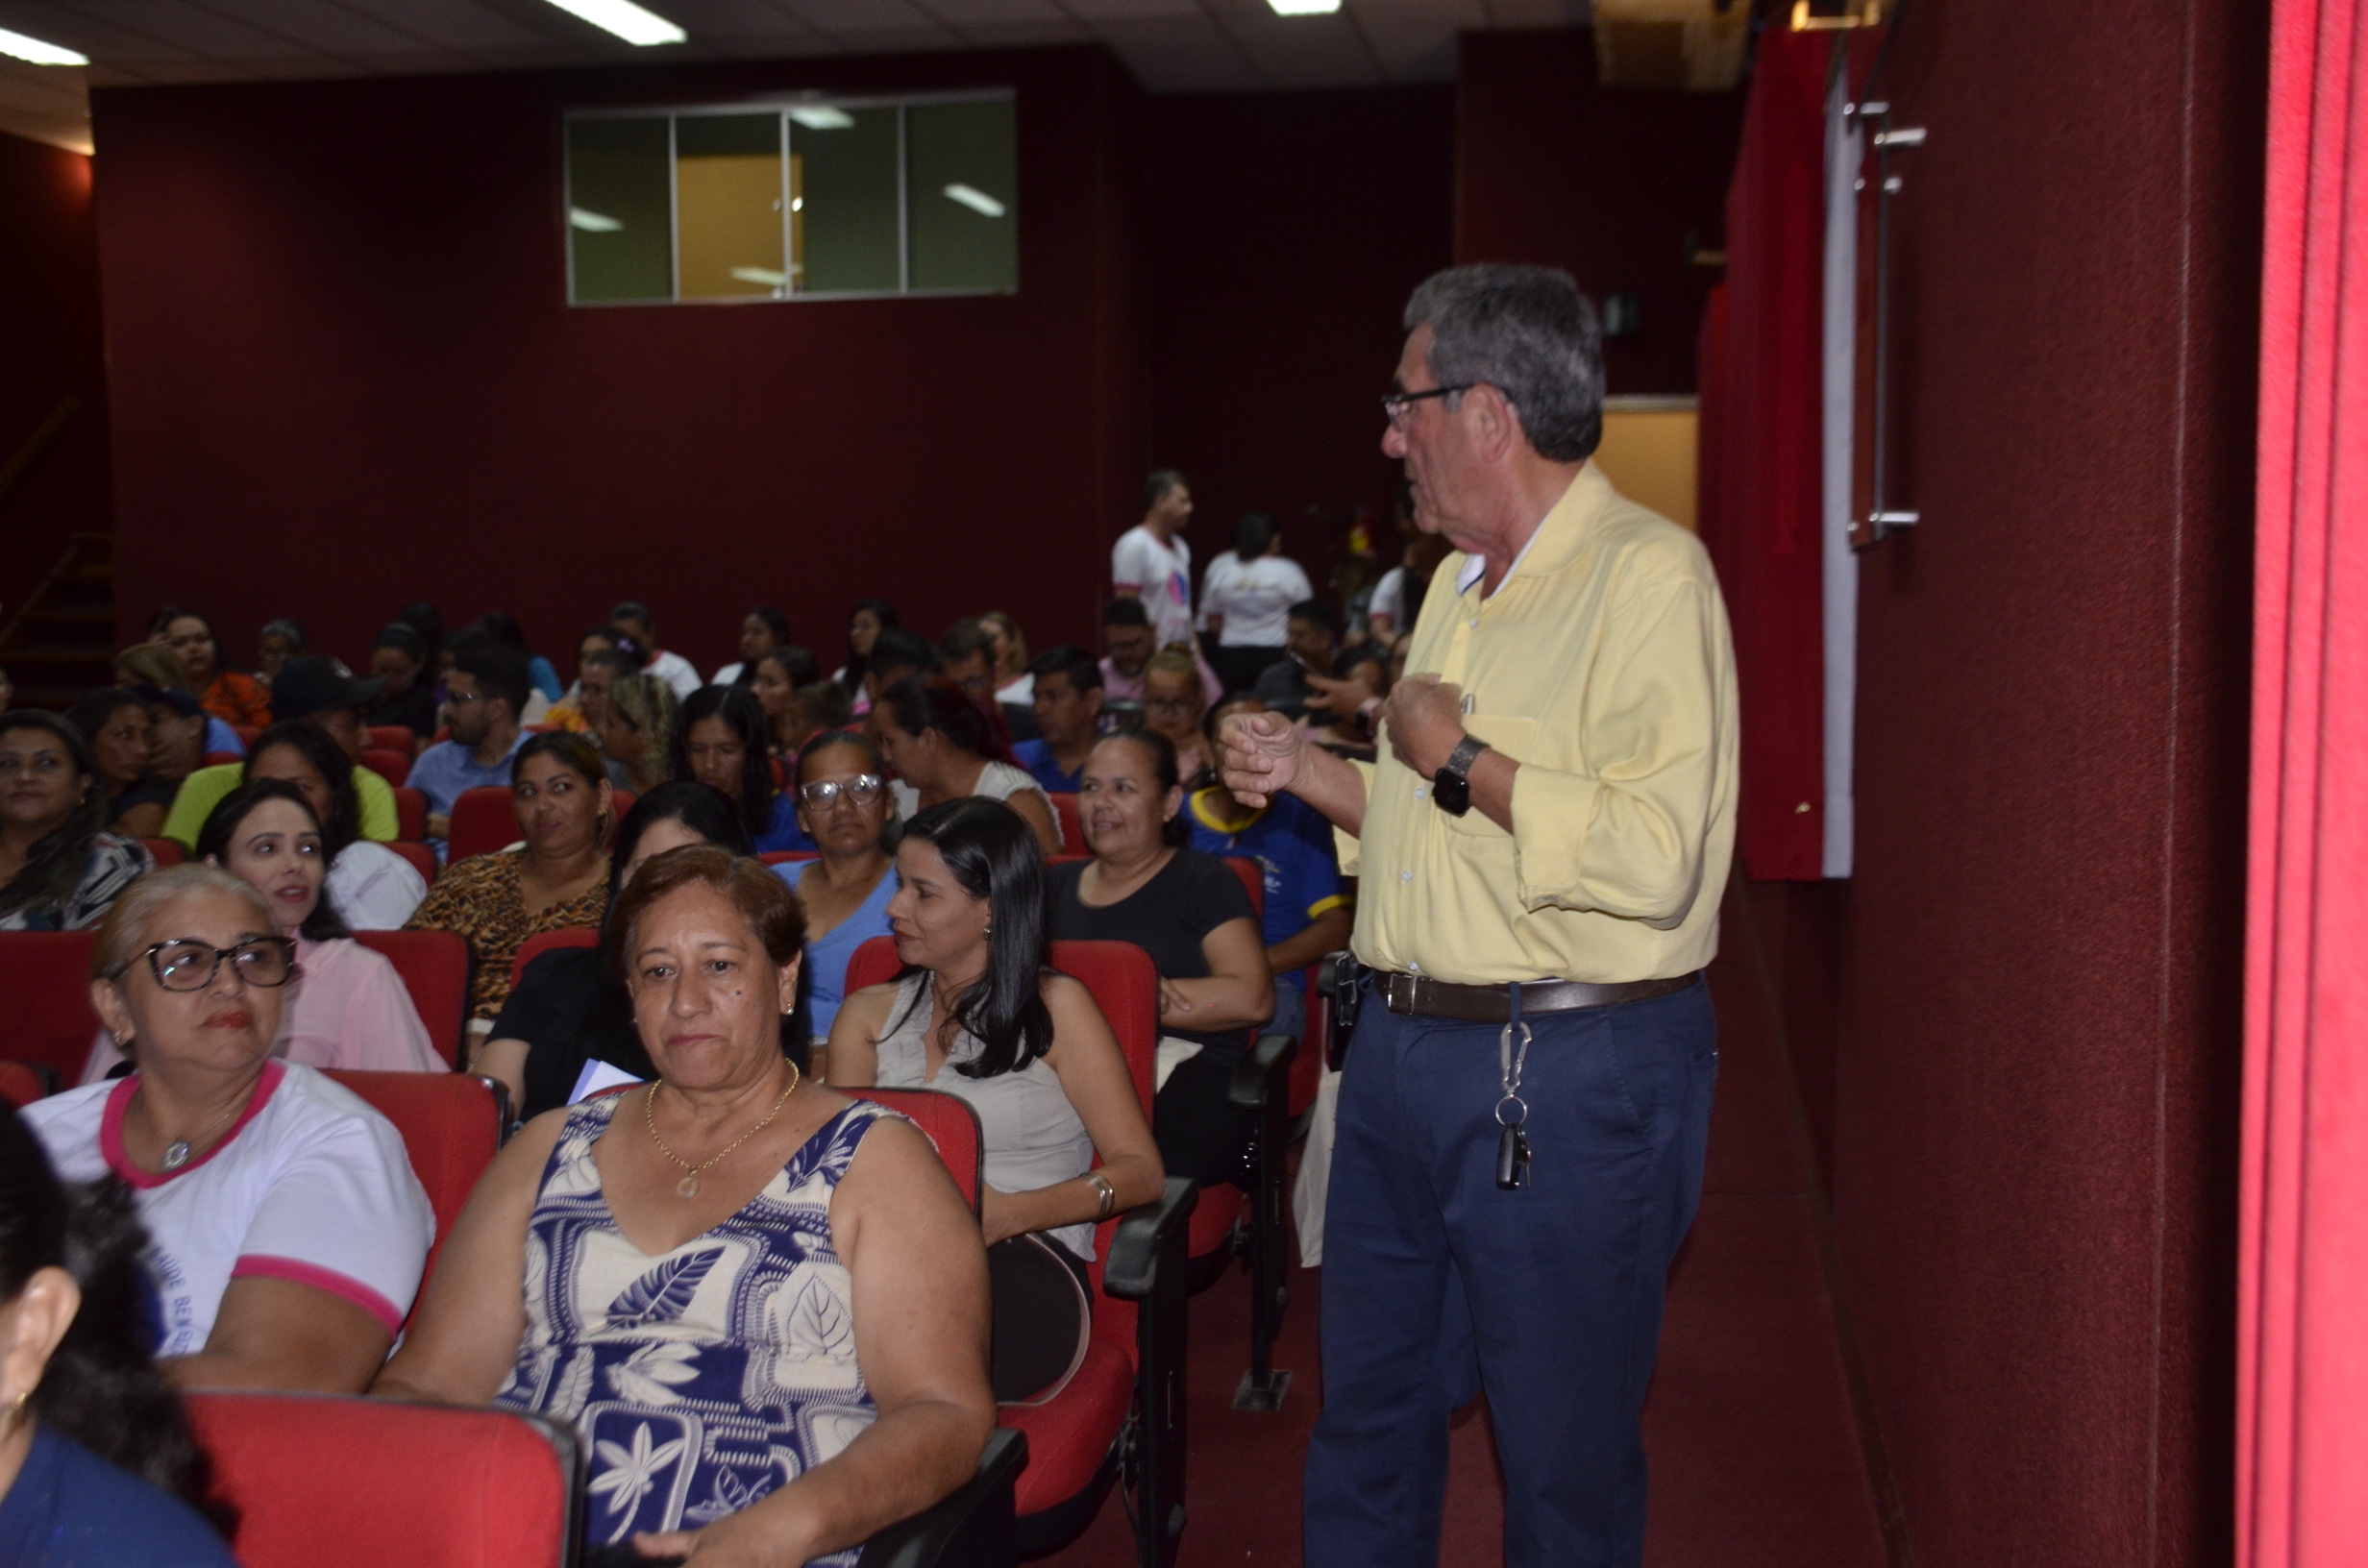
column 17, row 46
column 1304, row 8
column 626, row 19
column 976, row 200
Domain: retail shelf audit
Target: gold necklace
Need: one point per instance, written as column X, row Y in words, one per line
column 688, row 1187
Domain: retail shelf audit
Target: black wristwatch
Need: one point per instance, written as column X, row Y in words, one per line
column 1451, row 785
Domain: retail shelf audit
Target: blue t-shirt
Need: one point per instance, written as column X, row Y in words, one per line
column 544, row 677
column 1036, row 756
column 827, row 955
column 220, row 737
column 447, row 769
column 1293, row 845
column 69, row 1509
column 784, row 833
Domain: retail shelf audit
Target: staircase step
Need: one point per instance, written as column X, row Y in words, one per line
column 58, row 658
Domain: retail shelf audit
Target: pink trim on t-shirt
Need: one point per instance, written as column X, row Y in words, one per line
column 263, row 1266
column 119, row 1098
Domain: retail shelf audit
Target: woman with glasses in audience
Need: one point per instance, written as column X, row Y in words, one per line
column 59, row 866
column 943, row 747
column 762, row 1305
column 151, row 667
column 556, row 878
column 371, row 887
column 233, row 698
column 843, row 804
column 1173, row 703
column 279, row 641
column 286, row 1230
column 975, row 1014
column 762, row 629
column 113, row 723
column 347, row 1007
column 722, row 745
column 778, row 681
column 637, row 728
column 98, row 1466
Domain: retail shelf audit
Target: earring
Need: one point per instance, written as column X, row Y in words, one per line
column 989, row 932
column 17, row 1409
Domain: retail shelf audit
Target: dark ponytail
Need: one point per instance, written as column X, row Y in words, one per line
column 992, row 852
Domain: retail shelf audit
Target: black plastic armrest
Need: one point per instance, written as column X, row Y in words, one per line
column 1264, row 1072
column 922, row 1541
column 1132, row 1273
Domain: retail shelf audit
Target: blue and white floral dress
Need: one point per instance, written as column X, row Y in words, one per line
column 703, row 1381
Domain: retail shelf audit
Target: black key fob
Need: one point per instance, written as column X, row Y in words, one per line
column 1512, row 1160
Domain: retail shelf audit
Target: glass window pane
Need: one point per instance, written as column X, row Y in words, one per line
column 843, row 200
column 728, row 206
column 965, row 191
column 619, row 247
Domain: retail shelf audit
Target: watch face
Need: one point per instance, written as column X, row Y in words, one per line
column 1453, row 794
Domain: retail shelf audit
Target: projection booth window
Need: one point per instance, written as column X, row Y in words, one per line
column 847, row 198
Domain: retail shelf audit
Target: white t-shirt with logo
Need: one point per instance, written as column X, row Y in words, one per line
column 1254, row 599
column 1161, row 576
column 311, row 1184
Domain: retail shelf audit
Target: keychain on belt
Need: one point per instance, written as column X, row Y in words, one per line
column 1512, row 1110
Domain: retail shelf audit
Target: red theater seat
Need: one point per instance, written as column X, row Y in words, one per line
column 21, row 1082
column 45, row 984
column 394, row 767
column 484, row 820
column 246, row 734
column 452, row 1126
column 435, row 966
column 221, row 759
column 544, row 942
column 421, row 857
column 164, row 851
column 411, row 815
column 394, row 738
column 1072, row 828
column 952, row 1127
column 784, row 857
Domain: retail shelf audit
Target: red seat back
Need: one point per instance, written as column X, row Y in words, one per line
column 483, row 820
column 435, row 966
column 394, row 738
column 1253, row 881
column 952, row 1125
column 164, row 851
column 451, row 1127
column 21, row 1084
column 373, row 1484
column 421, row 857
column 543, row 942
column 1073, row 826
column 246, row 734
column 394, row 767
column 783, row 857
column 45, row 987
column 411, row 814
column 221, row 759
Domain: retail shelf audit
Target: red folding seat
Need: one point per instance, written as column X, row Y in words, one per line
column 21, row 1082
column 452, row 1124
column 246, row 734
column 394, row 738
column 1072, row 828
column 421, row 857
column 394, row 767
column 1123, row 1411
column 411, row 815
column 221, row 759
column 544, row 942
column 435, row 966
column 784, row 857
column 45, row 982
column 483, row 820
column 164, row 851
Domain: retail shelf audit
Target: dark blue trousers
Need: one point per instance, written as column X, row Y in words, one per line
column 1436, row 1284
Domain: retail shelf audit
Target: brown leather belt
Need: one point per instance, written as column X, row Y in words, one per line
column 1494, row 1004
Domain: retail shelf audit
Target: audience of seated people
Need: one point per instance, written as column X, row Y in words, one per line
column 176, row 735
column 596, row 678
column 568, row 1010
column 1173, row 704
column 557, row 877
column 59, row 866
column 841, row 789
column 779, row 681
column 279, row 640
column 486, row 693
column 399, row 657
column 150, row 668
column 372, row 887
column 287, row 1232
column 1064, row 699
column 896, row 654
column 942, row 745
column 313, row 690
column 1128, row 644
column 975, row 1013
column 638, row 725
column 346, row 1007
column 864, row 623
column 570, row 711
column 635, row 620
column 966, row 656
column 790, row 1207
column 762, row 630
column 1245, row 598
column 1013, row 685
column 722, row 744
column 234, row 699
column 115, row 724
column 1187, row 909
column 502, row 628
column 98, row 1466
column 1314, row 632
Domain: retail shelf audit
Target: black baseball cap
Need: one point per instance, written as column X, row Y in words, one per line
column 309, row 684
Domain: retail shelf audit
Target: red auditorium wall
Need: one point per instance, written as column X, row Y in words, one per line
column 2030, row 994
column 342, row 355
column 1552, row 167
column 1286, row 230
column 50, row 350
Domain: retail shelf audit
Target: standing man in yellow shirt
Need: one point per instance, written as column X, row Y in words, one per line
column 1542, row 846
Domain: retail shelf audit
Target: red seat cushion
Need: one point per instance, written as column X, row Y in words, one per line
column 434, row 967
column 19, row 1085
column 411, row 814
column 543, row 942
column 45, row 980
column 164, row 851
column 448, row 1129
column 394, row 738
column 1213, row 1219
column 483, row 820
column 394, row 767
column 1067, row 1438
column 421, row 857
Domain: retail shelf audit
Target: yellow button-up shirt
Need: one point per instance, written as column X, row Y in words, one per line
column 1602, row 664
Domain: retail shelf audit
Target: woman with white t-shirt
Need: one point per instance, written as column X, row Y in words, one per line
column 288, row 1230
column 1245, row 600
column 944, row 745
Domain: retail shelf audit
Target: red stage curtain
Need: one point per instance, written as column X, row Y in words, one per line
column 2302, row 1482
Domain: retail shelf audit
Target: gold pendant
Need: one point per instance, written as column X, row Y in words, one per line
column 687, row 1187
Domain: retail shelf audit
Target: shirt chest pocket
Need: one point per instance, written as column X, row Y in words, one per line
column 1516, row 737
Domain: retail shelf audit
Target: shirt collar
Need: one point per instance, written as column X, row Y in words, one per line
column 1578, row 506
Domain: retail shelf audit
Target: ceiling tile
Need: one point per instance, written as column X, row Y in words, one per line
column 1538, row 12
column 323, row 26
column 1185, row 53
column 966, row 15
column 1300, row 50
column 1095, row 10
column 865, row 16
column 98, row 36
column 195, row 28
column 450, row 24
column 1415, row 42
column 36, row 89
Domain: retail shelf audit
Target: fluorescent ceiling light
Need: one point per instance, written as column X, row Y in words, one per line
column 34, row 51
column 822, row 118
column 626, row 19
column 595, row 223
column 762, row 275
column 1304, row 8
column 977, row 200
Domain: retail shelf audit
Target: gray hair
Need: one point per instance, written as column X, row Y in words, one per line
column 1528, row 332
column 125, row 932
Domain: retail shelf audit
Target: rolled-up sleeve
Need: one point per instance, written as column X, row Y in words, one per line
column 1347, row 844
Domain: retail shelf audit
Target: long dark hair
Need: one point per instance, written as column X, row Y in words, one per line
column 101, row 1388
column 54, row 866
column 919, row 703
column 315, row 745
column 737, row 706
column 1251, row 536
column 213, row 843
column 702, row 808
column 993, row 854
column 885, row 613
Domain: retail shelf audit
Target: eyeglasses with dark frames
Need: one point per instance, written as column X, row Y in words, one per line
column 185, row 964
column 1398, row 405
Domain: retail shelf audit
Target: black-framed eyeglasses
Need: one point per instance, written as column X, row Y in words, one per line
column 1398, row 405
column 185, row 964
column 861, row 790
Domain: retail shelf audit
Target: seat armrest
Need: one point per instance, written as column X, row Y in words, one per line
column 1132, row 1272
column 1262, row 1073
column 971, row 1529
